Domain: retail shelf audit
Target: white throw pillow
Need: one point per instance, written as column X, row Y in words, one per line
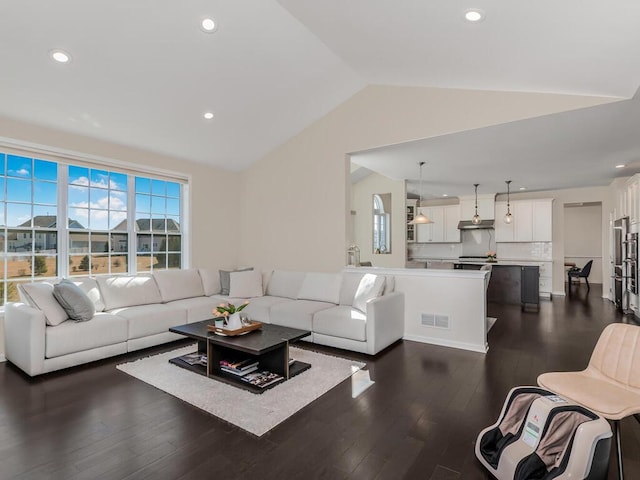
column 40, row 296
column 175, row 284
column 245, row 284
column 210, row 281
column 285, row 284
column 321, row 287
column 370, row 287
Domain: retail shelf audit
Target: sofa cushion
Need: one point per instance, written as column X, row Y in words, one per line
column 225, row 279
column 177, row 284
column 40, row 296
column 296, row 314
column 389, row 284
column 198, row 308
column 321, row 287
column 370, row 287
column 119, row 292
column 285, row 284
column 259, row 308
column 210, row 281
column 341, row 321
column 145, row 320
column 90, row 287
column 349, row 286
column 71, row 337
column 246, row 284
column 75, row 302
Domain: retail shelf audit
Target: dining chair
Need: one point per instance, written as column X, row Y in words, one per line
column 580, row 273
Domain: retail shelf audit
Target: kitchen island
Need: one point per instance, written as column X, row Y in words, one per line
column 514, row 284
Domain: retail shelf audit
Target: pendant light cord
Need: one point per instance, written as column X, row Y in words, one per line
column 421, row 164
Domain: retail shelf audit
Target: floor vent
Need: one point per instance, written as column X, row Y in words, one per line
column 435, row 320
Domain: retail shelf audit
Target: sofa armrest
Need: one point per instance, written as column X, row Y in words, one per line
column 24, row 330
column 385, row 321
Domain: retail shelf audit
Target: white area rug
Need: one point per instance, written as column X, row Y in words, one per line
column 255, row 413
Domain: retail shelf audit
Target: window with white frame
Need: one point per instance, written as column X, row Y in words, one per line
column 116, row 222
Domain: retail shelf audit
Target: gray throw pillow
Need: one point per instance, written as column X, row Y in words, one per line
column 225, row 279
column 75, row 302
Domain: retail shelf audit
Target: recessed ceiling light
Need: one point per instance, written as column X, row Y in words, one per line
column 622, row 165
column 523, row 188
column 474, row 15
column 208, row 115
column 445, row 194
column 60, row 56
column 208, row 25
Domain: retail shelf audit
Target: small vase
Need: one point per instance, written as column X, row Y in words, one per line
column 234, row 322
column 219, row 323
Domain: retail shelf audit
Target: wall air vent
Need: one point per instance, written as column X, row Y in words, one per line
column 434, row 320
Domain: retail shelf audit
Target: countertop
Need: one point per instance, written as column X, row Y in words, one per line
column 505, row 261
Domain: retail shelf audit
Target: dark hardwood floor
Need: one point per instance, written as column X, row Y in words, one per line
column 419, row 420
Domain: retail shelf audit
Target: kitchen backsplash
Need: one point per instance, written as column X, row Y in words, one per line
column 535, row 250
column 478, row 243
column 434, row 250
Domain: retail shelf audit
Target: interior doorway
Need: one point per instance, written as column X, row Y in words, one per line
column 583, row 236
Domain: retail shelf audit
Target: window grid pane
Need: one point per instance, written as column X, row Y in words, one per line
column 97, row 210
column 157, row 214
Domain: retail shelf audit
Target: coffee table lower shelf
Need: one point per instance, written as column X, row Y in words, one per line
column 295, row 368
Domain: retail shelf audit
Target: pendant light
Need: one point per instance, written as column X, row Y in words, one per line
column 508, row 218
column 476, row 218
column 421, row 218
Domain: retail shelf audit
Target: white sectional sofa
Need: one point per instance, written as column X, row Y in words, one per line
column 135, row 312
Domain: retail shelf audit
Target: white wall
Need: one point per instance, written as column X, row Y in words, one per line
column 583, row 238
column 296, row 200
column 362, row 205
column 573, row 195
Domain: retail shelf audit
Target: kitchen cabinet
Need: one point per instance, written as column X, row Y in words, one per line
column 633, row 185
column 532, row 221
column 543, row 220
column 546, row 279
column 444, row 228
column 485, row 207
column 411, row 213
column 451, row 221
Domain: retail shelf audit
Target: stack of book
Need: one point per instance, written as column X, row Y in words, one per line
column 239, row 367
column 262, row 379
column 195, row 358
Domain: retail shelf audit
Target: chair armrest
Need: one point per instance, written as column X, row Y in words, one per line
column 385, row 321
column 24, row 330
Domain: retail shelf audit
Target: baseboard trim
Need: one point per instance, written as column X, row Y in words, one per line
column 447, row 343
column 2, row 358
column 559, row 294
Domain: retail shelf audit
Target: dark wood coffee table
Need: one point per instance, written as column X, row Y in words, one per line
column 269, row 346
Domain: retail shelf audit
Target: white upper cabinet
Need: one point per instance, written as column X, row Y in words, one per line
column 504, row 231
column 451, row 220
column 542, row 220
column 632, row 198
column 486, row 206
column 532, row 221
column 444, row 228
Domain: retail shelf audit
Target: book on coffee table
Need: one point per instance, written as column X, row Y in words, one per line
column 240, row 373
column 262, row 379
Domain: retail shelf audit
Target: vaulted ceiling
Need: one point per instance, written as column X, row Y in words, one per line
column 143, row 73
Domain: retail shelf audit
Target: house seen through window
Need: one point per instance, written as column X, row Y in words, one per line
column 116, row 223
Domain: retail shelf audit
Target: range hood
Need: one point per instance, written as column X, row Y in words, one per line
column 469, row 225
